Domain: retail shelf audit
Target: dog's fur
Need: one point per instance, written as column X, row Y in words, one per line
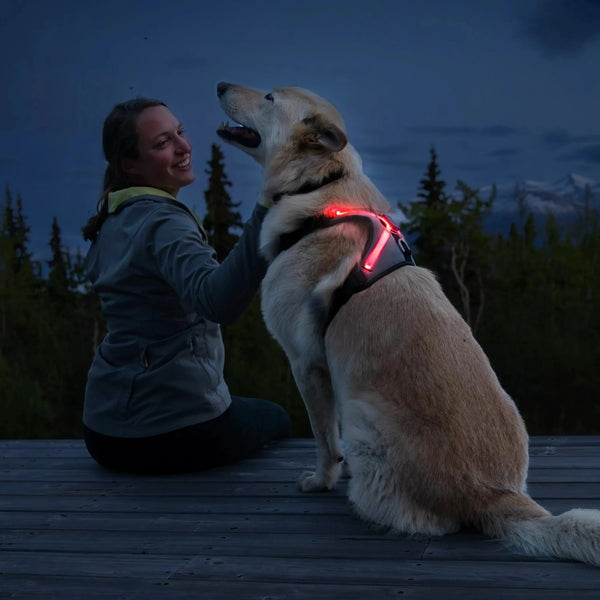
column 431, row 439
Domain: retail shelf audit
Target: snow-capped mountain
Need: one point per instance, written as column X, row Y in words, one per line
column 562, row 197
column 565, row 198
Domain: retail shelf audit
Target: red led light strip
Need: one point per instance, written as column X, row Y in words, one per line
column 390, row 228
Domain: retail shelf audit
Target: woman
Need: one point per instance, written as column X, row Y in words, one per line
column 156, row 400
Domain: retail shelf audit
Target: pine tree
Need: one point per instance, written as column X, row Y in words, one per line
column 432, row 188
column 22, row 255
column 429, row 222
column 450, row 239
column 220, row 214
column 24, row 349
column 16, row 234
column 58, row 281
column 8, row 217
column 8, row 235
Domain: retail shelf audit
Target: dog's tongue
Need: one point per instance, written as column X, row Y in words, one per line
column 239, row 134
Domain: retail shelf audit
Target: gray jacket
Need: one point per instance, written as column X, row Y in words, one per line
column 163, row 295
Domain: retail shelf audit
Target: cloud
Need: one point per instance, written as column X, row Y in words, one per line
column 491, row 131
column 444, row 130
column 561, row 137
column 394, row 154
column 562, row 27
column 505, row 152
column 590, row 154
column 498, row 130
column 556, row 137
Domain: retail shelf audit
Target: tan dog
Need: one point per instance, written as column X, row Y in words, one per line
column 431, row 439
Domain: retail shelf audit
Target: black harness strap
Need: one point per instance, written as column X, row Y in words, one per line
column 310, row 185
column 385, row 251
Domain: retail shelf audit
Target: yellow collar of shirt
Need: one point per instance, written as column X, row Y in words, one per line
column 115, row 199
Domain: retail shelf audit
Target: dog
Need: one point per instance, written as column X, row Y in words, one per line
column 431, row 440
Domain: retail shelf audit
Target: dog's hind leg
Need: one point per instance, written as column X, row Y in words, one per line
column 314, row 384
column 378, row 495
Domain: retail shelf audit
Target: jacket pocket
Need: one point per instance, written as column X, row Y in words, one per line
column 113, row 375
column 206, row 348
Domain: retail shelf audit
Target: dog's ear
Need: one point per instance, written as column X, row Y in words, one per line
column 319, row 134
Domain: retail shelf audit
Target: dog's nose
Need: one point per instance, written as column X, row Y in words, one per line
column 222, row 87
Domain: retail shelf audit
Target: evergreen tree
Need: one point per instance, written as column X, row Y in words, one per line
column 429, row 220
column 432, row 188
column 22, row 255
column 449, row 239
column 58, row 282
column 220, row 214
column 8, row 233
column 16, row 234
column 23, row 341
column 9, row 225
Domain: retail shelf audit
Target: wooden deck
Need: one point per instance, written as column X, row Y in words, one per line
column 70, row 530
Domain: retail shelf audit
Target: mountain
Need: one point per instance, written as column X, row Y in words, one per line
column 565, row 198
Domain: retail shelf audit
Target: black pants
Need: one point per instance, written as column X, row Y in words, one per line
column 245, row 427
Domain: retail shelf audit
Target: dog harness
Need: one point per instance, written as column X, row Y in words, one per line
column 385, row 251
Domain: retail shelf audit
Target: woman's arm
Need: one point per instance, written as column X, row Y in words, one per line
column 217, row 292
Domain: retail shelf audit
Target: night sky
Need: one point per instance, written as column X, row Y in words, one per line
column 506, row 90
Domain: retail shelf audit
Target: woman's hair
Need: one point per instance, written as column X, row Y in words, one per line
column 119, row 141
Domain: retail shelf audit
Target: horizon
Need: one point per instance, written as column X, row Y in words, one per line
column 43, row 253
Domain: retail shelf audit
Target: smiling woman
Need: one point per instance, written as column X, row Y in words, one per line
column 164, row 152
column 156, row 400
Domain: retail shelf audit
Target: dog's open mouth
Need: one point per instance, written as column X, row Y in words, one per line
column 244, row 136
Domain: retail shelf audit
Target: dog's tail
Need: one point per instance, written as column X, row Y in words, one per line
column 523, row 523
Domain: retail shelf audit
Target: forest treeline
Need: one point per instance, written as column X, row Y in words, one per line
column 531, row 296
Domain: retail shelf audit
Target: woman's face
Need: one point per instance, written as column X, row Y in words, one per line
column 165, row 153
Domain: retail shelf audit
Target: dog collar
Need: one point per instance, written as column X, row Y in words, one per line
column 385, row 251
column 310, row 185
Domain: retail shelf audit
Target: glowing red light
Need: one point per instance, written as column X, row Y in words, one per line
column 373, row 257
column 332, row 211
column 388, row 224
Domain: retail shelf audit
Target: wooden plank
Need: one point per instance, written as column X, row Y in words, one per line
column 303, row 443
column 339, row 571
column 53, row 473
column 538, row 457
column 564, row 462
column 181, row 488
column 92, row 564
column 85, row 462
column 391, row 571
column 559, row 475
column 550, row 451
column 99, row 588
column 234, row 543
column 249, row 489
column 569, row 473
column 328, row 504
column 75, row 448
column 565, row 440
column 175, row 523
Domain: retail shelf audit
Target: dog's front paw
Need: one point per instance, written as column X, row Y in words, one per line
column 309, row 481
